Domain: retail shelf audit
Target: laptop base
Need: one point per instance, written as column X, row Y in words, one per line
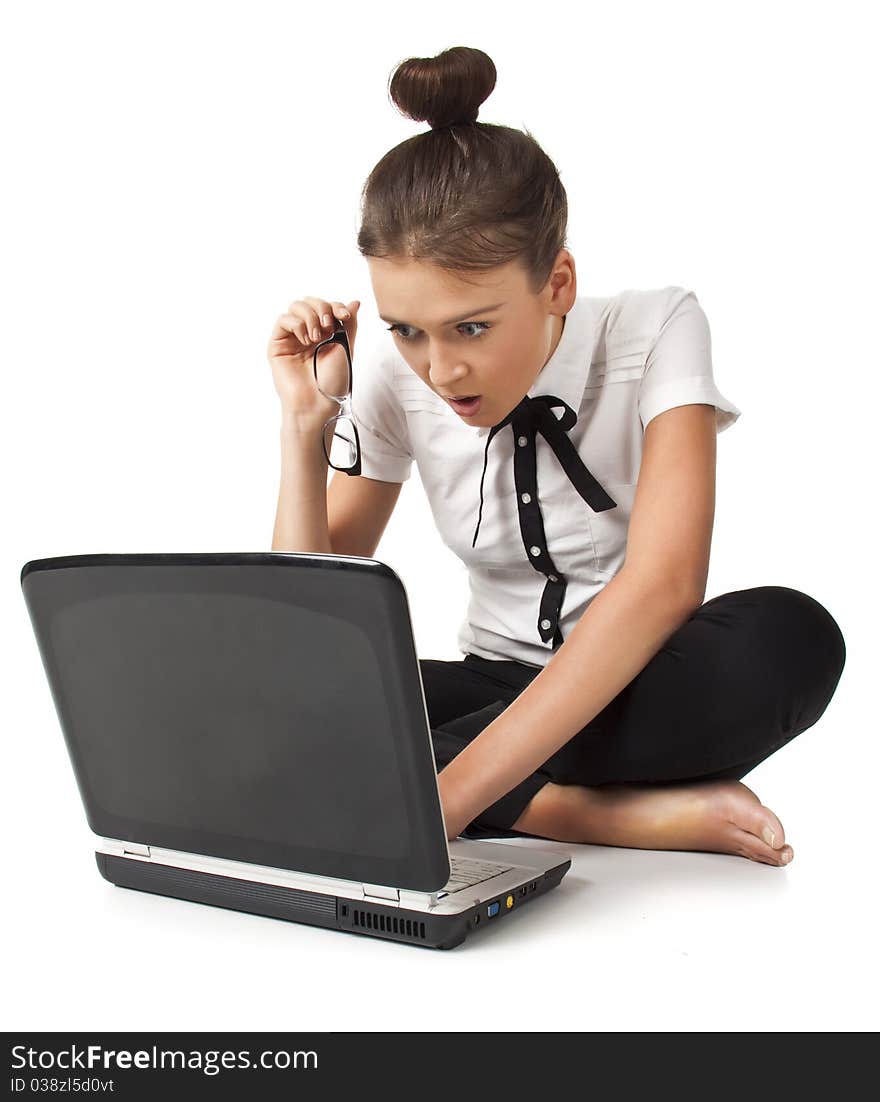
column 317, row 909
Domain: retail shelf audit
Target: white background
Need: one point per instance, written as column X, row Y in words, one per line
column 177, row 173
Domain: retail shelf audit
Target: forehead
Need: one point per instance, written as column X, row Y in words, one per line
column 403, row 287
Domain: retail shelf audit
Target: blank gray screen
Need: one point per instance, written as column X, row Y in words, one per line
column 233, row 714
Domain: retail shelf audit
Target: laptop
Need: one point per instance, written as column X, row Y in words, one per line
column 250, row 731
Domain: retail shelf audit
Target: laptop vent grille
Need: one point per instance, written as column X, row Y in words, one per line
column 389, row 924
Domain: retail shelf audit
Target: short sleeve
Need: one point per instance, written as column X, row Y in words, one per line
column 678, row 370
column 386, row 452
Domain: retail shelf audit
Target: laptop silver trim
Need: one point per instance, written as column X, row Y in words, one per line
column 527, row 863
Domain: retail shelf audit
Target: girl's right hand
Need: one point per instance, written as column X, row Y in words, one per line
column 291, row 354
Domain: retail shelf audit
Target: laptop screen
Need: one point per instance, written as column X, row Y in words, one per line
column 262, row 711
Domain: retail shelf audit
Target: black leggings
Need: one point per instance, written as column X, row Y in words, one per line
column 746, row 673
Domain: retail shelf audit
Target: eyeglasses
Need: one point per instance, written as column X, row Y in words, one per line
column 342, row 447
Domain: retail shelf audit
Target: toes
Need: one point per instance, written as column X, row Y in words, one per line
column 764, row 824
column 749, row 845
column 758, row 830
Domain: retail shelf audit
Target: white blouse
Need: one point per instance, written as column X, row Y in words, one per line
column 542, row 552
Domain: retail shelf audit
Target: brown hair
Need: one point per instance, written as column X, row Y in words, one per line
column 466, row 196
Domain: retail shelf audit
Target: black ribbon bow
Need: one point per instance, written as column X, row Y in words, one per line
column 531, row 416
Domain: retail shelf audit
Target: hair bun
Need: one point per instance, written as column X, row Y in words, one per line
column 446, row 90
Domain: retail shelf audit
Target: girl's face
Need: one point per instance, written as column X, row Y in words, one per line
column 489, row 336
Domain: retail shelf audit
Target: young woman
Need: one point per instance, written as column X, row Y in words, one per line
column 567, row 448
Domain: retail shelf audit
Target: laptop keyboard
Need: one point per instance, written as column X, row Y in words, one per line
column 465, row 872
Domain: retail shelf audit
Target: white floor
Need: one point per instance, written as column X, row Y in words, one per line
column 631, row 940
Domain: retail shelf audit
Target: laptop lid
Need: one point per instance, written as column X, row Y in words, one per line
column 265, row 708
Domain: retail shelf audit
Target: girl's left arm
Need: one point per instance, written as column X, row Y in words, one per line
column 661, row 584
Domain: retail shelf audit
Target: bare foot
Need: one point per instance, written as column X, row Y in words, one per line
column 714, row 816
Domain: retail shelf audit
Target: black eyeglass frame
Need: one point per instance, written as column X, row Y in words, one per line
column 339, row 337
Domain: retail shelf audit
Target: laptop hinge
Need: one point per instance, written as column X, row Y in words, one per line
column 380, row 893
column 136, row 849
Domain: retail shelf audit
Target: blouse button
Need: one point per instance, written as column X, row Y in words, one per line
column 535, row 550
column 522, row 441
column 545, row 624
column 526, row 498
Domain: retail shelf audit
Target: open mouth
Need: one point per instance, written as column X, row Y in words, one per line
column 467, row 407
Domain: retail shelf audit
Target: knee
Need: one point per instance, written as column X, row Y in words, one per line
column 794, row 637
column 793, row 618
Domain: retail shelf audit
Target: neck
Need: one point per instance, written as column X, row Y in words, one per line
column 558, row 326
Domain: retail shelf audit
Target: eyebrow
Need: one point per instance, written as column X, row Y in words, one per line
column 452, row 321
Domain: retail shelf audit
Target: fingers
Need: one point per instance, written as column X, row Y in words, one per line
column 311, row 320
column 291, row 323
column 321, row 315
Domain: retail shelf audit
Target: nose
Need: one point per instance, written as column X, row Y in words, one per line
column 445, row 373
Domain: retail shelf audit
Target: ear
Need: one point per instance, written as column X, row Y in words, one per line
column 562, row 284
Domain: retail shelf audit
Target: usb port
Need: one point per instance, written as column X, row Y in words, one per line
column 493, row 909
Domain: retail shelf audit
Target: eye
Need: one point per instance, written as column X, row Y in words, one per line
column 483, row 326
column 397, row 329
